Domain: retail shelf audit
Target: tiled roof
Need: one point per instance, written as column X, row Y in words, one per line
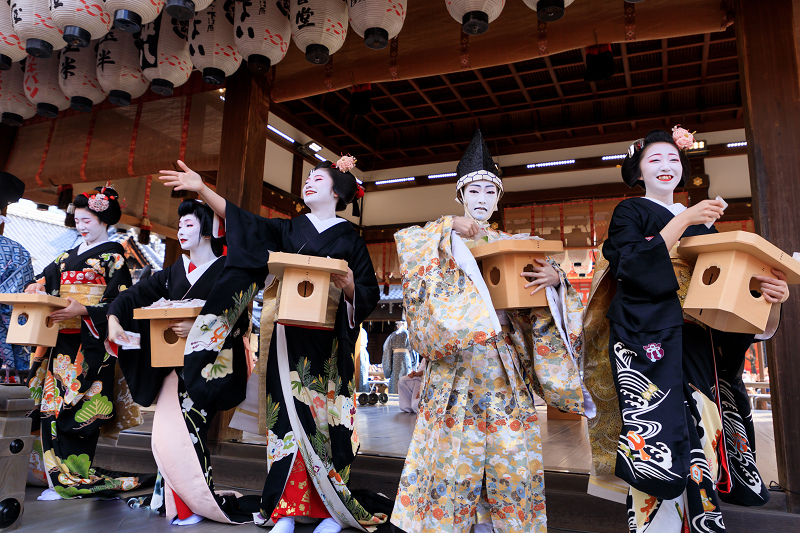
column 153, row 252
column 41, row 234
column 395, row 293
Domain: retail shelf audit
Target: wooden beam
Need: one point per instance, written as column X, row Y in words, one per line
column 297, row 175
column 768, row 58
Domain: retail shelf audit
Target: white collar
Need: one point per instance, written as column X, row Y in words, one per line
column 676, row 208
column 198, row 271
column 83, row 247
column 322, row 225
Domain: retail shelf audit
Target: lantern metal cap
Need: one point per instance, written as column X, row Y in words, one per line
column 11, row 119
column 259, row 63
column 214, row 76
column 46, row 110
column 5, row 62
column 376, row 38
column 317, row 54
column 120, row 98
column 180, row 9
column 77, row 36
column 39, row 48
column 81, row 103
column 162, row 86
column 475, row 22
column 549, row 10
column 127, row 21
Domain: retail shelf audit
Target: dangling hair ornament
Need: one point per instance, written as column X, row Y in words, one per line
column 682, row 137
column 98, row 202
column 346, row 163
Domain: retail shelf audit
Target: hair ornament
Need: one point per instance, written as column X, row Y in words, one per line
column 346, row 163
column 682, row 137
column 360, row 192
column 98, row 202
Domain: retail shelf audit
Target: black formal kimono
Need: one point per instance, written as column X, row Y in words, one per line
column 77, row 384
column 181, row 422
column 679, row 440
column 310, row 378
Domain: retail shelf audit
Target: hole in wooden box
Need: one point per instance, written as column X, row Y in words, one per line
column 305, row 289
column 170, row 337
column 710, row 275
column 755, row 288
column 22, row 319
column 494, row 276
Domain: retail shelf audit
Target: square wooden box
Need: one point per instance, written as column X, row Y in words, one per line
column 30, row 325
column 304, row 291
column 722, row 293
column 166, row 348
column 502, row 263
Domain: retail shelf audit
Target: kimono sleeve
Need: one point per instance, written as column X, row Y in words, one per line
column 366, row 293
column 118, row 279
column 17, row 270
column 144, row 293
column 251, row 237
column 642, row 266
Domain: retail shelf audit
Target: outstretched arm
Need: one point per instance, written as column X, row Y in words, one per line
column 189, row 180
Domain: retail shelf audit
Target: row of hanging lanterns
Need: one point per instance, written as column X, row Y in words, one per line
column 14, row 105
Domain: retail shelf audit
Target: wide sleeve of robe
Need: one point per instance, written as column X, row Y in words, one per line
column 251, row 237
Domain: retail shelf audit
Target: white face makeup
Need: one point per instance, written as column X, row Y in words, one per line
column 318, row 190
column 89, row 226
column 661, row 169
column 480, row 199
column 189, row 232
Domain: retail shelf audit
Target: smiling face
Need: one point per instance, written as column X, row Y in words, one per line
column 480, row 199
column 89, row 226
column 661, row 168
column 189, row 232
column 318, row 190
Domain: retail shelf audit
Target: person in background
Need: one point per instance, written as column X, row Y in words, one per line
column 410, row 388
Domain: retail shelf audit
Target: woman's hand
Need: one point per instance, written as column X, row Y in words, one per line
column 115, row 332
column 465, row 226
column 775, row 291
column 33, row 288
column 703, row 213
column 188, row 180
column 543, row 275
column 71, row 311
column 345, row 283
column 182, row 327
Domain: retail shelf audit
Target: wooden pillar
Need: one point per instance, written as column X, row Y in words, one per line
column 770, row 78
column 297, row 175
column 7, row 137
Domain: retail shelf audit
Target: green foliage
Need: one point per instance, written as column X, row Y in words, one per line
column 98, row 406
column 272, row 411
column 78, row 464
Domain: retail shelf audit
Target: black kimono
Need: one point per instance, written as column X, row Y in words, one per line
column 310, row 373
column 76, row 384
column 667, row 369
column 181, row 422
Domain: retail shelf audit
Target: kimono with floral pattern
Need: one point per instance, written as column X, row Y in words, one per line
column 77, row 384
column 15, row 272
column 476, row 453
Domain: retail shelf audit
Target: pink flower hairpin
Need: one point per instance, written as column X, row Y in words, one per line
column 98, row 202
column 346, row 163
column 682, row 137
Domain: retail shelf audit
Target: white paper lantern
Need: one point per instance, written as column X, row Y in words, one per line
column 11, row 48
column 319, row 27
column 185, row 9
column 211, row 45
column 117, row 68
column 81, row 20
column 130, row 15
column 41, row 85
column 377, row 21
column 164, row 54
column 77, row 77
column 263, row 32
column 14, row 106
column 32, row 22
column 550, row 10
column 475, row 15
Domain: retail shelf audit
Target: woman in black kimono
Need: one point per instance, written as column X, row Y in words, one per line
column 183, row 458
column 74, row 382
column 678, row 437
column 309, row 406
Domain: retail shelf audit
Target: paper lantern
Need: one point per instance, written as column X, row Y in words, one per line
column 41, row 85
column 80, row 20
column 164, row 54
column 117, row 68
column 211, row 45
column 319, row 27
column 131, row 15
column 11, row 48
column 33, row 25
column 263, row 32
column 14, row 106
column 475, row 15
column 185, row 9
column 377, row 21
column 549, row 10
column 77, row 77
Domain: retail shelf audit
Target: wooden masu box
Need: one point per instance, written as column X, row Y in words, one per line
column 305, row 285
column 30, row 324
column 723, row 293
column 501, row 265
column 166, row 348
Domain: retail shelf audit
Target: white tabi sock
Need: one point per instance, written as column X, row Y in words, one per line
column 195, row 518
column 329, row 525
column 284, row 525
column 48, row 495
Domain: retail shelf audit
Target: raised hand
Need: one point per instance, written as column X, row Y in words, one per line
column 185, row 180
column 465, row 226
column 704, row 212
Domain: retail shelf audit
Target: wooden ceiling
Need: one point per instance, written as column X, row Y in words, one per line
column 538, row 104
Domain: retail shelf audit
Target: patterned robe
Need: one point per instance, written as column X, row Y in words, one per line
column 476, row 452
column 78, row 386
column 15, row 272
